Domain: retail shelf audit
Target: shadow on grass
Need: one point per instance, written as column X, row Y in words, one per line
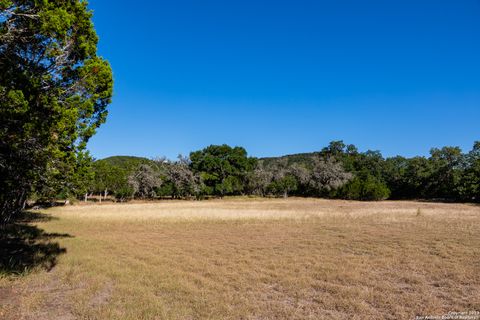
column 24, row 247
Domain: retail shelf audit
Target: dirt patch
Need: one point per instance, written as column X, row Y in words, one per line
column 9, row 302
column 102, row 297
column 45, row 300
column 7, row 296
column 56, row 305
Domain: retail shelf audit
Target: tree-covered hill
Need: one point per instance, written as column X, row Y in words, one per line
column 125, row 162
column 305, row 159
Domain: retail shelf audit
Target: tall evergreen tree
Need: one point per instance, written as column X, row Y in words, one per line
column 54, row 91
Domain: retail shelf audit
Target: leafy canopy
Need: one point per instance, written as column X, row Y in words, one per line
column 54, row 91
column 223, row 169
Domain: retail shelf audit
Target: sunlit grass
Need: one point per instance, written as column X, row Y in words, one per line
column 255, row 259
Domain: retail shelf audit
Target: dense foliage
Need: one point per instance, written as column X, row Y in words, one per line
column 54, row 91
column 338, row 171
column 222, row 169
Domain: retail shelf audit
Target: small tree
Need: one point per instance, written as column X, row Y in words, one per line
column 183, row 181
column 283, row 179
column 364, row 187
column 109, row 179
column 283, row 186
column 327, row 175
column 258, row 180
column 144, row 181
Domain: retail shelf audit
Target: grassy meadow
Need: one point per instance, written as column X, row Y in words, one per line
column 252, row 259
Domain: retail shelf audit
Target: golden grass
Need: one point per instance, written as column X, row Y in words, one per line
column 255, row 259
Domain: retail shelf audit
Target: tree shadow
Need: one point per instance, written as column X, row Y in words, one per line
column 24, row 247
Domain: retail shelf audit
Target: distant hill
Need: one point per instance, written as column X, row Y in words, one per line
column 125, row 162
column 299, row 158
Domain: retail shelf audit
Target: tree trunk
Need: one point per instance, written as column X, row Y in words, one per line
column 12, row 205
column 86, row 197
column 285, row 194
column 105, row 194
column 22, row 201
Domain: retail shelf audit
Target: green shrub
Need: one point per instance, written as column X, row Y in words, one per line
column 367, row 188
column 124, row 193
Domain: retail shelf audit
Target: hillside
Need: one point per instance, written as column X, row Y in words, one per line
column 300, row 158
column 126, row 162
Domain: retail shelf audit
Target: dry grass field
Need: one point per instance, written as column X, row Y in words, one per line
column 251, row 259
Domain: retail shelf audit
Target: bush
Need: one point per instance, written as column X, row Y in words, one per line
column 366, row 188
column 283, row 187
column 123, row 193
column 374, row 190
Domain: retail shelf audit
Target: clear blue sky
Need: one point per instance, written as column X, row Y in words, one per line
column 281, row 77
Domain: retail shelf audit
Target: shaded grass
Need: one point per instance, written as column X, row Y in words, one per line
column 24, row 246
column 314, row 260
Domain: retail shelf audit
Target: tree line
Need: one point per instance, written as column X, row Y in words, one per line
column 338, row 171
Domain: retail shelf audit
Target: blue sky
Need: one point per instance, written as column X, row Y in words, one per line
column 282, row 77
